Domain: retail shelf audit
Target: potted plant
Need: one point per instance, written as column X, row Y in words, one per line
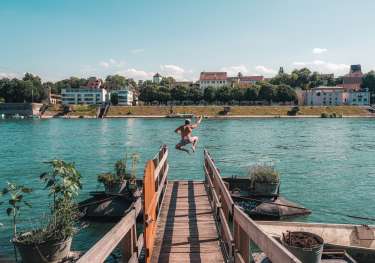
column 121, row 179
column 306, row 246
column 264, row 179
column 16, row 201
column 132, row 185
column 51, row 242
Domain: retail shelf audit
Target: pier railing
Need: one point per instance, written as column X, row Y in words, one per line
column 235, row 227
column 154, row 184
column 122, row 235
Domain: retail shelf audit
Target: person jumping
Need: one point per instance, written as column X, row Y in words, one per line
column 186, row 131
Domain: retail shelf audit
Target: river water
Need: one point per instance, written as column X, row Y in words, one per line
column 325, row 164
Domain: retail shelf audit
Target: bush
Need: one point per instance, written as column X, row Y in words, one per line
column 293, row 111
column 263, row 174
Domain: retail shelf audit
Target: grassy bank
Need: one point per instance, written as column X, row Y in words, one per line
column 234, row 111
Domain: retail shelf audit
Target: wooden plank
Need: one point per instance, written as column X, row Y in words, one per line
column 160, row 164
column 273, row 249
column 226, row 232
column 186, row 229
column 238, row 258
column 104, row 247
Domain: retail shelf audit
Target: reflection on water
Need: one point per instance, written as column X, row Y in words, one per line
column 324, row 163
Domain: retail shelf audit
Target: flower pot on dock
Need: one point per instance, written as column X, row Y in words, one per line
column 306, row 246
column 49, row 251
column 266, row 188
column 115, row 188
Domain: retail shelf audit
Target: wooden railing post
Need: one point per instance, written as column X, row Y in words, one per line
column 237, row 240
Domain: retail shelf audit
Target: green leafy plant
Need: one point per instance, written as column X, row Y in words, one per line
column 121, row 172
column 64, row 183
column 16, row 200
column 264, row 174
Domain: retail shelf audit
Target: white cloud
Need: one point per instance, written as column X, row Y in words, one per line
column 234, row 70
column 136, row 74
column 323, row 66
column 176, row 72
column 8, row 75
column 318, row 50
column 137, row 50
column 264, row 70
column 112, row 63
column 104, row 64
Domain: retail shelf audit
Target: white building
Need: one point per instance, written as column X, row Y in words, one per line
column 213, row 79
column 157, row 78
column 83, row 96
column 327, row 96
column 125, row 97
column 360, row 98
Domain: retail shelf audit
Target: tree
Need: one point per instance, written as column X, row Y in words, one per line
column 29, row 89
column 266, row 92
column 194, row 94
column 209, row 94
column 251, row 93
column 223, row 94
column 168, row 81
column 114, row 98
column 368, row 82
column 115, row 82
column 163, row 94
column 148, row 94
column 285, row 93
column 300, row 78
column 179, row 93
column 237, row 94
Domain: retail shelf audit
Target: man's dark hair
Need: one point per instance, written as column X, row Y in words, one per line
column 187, row 121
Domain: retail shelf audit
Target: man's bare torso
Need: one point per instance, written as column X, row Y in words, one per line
column 185, row 131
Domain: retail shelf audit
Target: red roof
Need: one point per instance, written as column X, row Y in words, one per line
column 213, row 76
column 251, row 78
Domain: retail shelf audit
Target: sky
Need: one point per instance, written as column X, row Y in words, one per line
column 56, row 39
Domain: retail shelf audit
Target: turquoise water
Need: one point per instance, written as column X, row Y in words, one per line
column 325, row 164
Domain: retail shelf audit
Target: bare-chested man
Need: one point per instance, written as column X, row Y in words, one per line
column 186, row 131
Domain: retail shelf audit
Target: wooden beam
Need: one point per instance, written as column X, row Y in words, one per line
column 104, row 247
column 276, row 252
column 160, row 164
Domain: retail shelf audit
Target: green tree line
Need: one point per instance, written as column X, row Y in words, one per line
column 262, row 91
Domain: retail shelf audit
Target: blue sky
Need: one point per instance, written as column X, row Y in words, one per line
column 60, row 38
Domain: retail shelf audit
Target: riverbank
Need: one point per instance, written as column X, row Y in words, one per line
column 86, row 111
column 235, row 111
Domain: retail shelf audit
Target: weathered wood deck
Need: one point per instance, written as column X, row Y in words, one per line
column 186, row 229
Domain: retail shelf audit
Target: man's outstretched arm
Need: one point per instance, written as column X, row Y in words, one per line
column 197, row 123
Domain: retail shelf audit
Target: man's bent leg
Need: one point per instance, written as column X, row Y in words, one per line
column 179, row 147
column 194, row 140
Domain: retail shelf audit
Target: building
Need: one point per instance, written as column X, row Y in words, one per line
column 244, row 81
column 83, row 96
column 213, row 79
column 360, row 98
column 327, row 96
column 157, row 78
column 353, row 80
column 125, row 97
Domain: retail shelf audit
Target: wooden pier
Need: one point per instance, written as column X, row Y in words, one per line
column 186, row 230
column 186, row 221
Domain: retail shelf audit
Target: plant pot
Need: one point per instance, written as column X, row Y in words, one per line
column 312, row 254
column 49, row 251
column 266, row 188
column 115, row 188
